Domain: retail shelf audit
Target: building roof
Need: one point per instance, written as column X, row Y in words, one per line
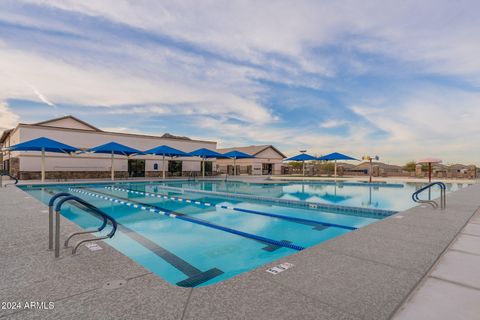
column 52, row 121
column 251, row 150
column 51, row 124
column 5, row 135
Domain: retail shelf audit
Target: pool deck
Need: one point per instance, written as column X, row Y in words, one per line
column 366, row 274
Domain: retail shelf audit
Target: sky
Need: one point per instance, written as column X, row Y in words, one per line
column 397, row 79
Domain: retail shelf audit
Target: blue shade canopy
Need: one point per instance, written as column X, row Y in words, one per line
column 302, row 157
column 166, row 151
column 45, row 144
column 207, row 153
column 234, row 154
column 116, row 148
column 336, row 156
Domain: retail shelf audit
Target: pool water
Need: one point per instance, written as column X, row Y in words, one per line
column 389, row 196
column 192, row 239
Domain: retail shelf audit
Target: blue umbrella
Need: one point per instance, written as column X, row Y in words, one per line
column 166, row 151
column 205, row 153
column 302, row 157
column 335, row 156
column 234, row 154
column 44, row 145
column 114, row 148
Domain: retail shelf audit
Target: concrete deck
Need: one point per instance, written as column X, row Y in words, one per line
column 452, row 288
column 365, row 274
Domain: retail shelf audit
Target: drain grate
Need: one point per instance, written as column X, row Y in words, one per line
column 114, row 284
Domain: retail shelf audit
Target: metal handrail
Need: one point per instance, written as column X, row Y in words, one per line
column 8, row 175
column 50, row 216
column 58, row 208
column 434, row 204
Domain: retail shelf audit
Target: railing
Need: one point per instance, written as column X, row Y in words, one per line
column 192, row 176
column 64, row 197
column 8, row 175
column 434, row 204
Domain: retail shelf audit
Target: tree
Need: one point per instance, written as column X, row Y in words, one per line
column 296, row 164
column 410, row 166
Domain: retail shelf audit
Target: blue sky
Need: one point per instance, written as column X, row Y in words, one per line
column 396, row 79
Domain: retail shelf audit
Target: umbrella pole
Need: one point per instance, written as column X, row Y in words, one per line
column 370, row 171
column 163, row 166
column 43, row 164
column 203, row 168
column 429, row 172
column 303, row 166
column 335, row 173
column 112, row 173
column 234, row 166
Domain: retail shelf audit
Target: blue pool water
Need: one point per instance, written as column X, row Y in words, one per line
column 390, row 196
column 213, row 237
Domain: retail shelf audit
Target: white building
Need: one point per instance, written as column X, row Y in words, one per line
column 268, row 160
column 77, row 133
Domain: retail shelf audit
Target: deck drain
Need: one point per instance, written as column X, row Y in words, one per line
column 115, row 284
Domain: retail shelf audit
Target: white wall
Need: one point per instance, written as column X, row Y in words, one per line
column 31, row 161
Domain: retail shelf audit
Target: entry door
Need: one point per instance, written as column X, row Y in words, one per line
column 267, row 168
column 136, row 168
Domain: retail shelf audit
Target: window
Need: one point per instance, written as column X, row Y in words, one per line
column 155, row 166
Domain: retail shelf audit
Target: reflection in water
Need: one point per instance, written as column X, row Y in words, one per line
column 392, row 196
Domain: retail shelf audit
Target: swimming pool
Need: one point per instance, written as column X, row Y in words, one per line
column 388, row 196
column 193, row 239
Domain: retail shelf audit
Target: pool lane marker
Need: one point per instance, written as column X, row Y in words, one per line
column 184, row 217
column 207, row 204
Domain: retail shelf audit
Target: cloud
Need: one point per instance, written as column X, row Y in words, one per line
column 64, row 83
column 8, row 119
column 333, row 123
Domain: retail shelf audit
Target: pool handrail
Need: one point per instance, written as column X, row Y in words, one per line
column 89, row 206
column 434, row 204
column 51, row 203
column 3, row 173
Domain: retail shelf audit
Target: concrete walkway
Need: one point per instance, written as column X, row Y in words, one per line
column 365, row 274
column 452, row 289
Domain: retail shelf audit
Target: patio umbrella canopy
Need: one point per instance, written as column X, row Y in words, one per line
column 166, row 151
column 114, row 148
column 205, row 153
column 234, row 154
column 429, row 161
column 335, row 156
column 43, row 145
column 302, row 157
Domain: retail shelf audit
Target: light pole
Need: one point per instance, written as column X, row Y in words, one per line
column 303, row 162
column 369, row 158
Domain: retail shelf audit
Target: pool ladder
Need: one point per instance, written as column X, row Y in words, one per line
column 434, row 204
column 6, row 174
column 55, row 234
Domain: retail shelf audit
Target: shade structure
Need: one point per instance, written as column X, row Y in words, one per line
column 302, row 157
column 166, row 151
column 43, row 145
column 430, row 161
column 235, row 154
column 334, row 156
column 114, row 148
column 205, row 153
